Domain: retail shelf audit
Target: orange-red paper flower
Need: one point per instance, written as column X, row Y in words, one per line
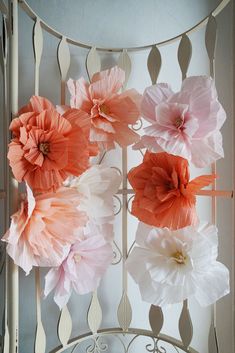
column 46, row 147
column 110, row 112
column 164, row 196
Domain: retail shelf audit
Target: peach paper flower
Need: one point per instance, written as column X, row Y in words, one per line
column 186, row 123
column 46, row 147
column 110, row 112
column 82, row 269
column 164, row 196
column 44, row 227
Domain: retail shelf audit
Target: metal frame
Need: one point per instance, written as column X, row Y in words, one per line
column 9, row 65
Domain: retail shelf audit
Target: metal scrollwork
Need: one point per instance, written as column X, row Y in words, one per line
column 117, row 254
column 117, row 206
column 138, row 125
column 97, row 346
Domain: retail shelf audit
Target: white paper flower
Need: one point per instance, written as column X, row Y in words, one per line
column 97, row 185
column 170, row 266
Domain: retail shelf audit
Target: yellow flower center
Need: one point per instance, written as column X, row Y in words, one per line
column 77, row 258
column 179, row 258
column 104, row 109
column 178, row 122
column 44, row 147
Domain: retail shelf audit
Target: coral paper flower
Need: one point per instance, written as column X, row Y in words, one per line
column 46, row 147
column 170, row 266
column 83, row 268
column 43, row 229
column 110, row 112
column 185, row 124
column 164, row 196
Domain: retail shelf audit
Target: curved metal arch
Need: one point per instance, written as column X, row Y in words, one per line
column 59, row 35
column 118, row 331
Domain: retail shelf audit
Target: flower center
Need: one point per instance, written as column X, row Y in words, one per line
column 104, row 109
column 179, row 122
column 77, row 258
column 179, row 258
column 44, row 147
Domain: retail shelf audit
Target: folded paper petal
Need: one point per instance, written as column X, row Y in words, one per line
column 97, row 186
column 110, row 112
column 186, row 123
column 43, row 229
column 164, row 196
column 171, row 266
column 83, row 268
column 46, row 147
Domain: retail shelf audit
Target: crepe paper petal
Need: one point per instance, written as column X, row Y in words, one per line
column 97, row 185
column 164, row 196
column 43, row 229
column 47, row 147
column 171, row 266
column 82, row 269
column 186, row 123
column 110, row 112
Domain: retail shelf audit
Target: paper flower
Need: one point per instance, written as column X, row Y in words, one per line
column 110, row 112
column 185, row 124
column 164, row 196
column 97, row 185
column 83, row 268
column 43, row 229
column 170, row 266
column 46, row 147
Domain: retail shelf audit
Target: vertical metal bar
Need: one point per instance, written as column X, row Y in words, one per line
column 13, row 275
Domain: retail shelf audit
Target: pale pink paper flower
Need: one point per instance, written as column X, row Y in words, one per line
column 43, row 229
column 170, row 266
column 82, row 269
column 186, row 123
column 110, row 112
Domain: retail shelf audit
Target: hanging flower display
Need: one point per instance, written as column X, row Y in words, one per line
column 43, row 229
column 186, row 123
column 46, row 147
column 82, row 269
column 110, row 112
column 164, row 196
column 170, row 266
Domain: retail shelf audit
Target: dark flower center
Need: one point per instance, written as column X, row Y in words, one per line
column 104, row 109
column 179, row 258
column 179, row 122
column 44, row 147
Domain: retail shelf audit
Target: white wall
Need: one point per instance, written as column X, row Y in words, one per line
column 130, row 23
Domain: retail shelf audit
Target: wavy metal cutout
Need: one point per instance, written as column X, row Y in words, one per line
column 124, row 62
column 185, row 326
column 124, row 312
column 94, row 316
column 154, row 64
column 37, row 48
column 156, row 319
column 64, row 328
column 93, row 63
column 184, row 55
column 63, row 57
column 210, row 41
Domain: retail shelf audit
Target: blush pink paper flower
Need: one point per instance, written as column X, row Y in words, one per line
column 43, row 229
column 186, row 123
column 164, row 196
column 82, row 269
column 46, row 147
column 110, row 112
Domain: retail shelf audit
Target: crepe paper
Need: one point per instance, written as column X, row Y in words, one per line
column 82, row 119
column 82, row 269
column 43, row 229
column 171, row 266
column 46, row 147
column 97, row 185
column 164, row 196
column 110, row 112
column 186, row 123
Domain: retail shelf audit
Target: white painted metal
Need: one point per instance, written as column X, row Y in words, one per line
column 95, row 312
